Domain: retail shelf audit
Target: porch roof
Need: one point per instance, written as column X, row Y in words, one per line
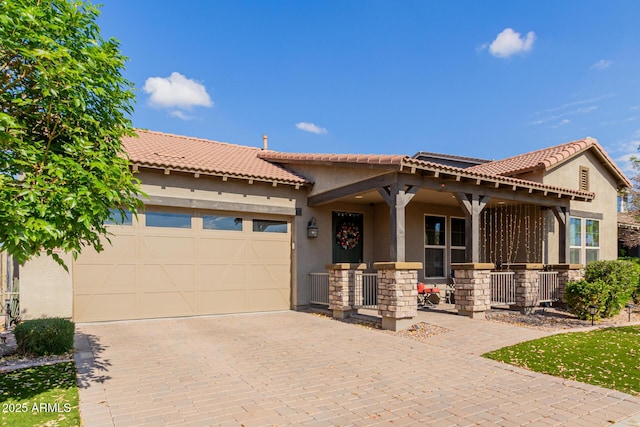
column 401, row 163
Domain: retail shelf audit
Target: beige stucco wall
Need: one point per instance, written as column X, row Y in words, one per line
column 329, row 177
column 185, row 186
column 312, row 255
column 605, row 202
column 46, row 288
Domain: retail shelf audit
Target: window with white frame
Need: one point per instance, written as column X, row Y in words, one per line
column 440, row 235
column 584, row 240
column 592, row 240
column 458, row 240
column 435, row 244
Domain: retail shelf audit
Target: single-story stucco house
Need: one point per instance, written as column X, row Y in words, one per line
column 230, row 228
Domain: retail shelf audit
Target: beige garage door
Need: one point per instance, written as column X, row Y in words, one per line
column 171, row 263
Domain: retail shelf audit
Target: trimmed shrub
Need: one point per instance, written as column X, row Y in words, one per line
column 621, row 277
column 636, row 292
column 42, row 337
column 581, row 294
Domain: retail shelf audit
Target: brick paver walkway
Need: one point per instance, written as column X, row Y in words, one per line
column 294, row 368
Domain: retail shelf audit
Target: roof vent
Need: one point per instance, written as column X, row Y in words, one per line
column 265, row 142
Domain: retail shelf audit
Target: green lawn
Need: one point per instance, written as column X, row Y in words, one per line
column 605, row 357
column 44, row 395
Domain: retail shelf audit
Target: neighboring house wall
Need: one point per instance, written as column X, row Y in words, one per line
column 46, row 288
column 603, row 206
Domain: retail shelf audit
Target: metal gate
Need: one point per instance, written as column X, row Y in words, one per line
column 503, row 288
column 365, row 289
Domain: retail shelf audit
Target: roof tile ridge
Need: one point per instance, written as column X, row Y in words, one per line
column 196, row 138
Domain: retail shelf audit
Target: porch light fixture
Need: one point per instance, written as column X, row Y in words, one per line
column 593, row 309
column 629, row 308
column 312, row 229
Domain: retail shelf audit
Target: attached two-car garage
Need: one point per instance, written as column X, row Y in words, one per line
column 183, row 262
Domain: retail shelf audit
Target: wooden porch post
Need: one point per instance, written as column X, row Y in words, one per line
column 472, row 205
column 397, row 196
column 562, row 215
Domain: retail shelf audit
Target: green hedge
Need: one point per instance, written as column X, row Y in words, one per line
column 581, row 294
column 41, row 337
column 636, row 292
column 621, row 277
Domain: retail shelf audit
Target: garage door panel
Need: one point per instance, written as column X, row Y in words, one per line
column 269, row 251
column 222, row 277
column 168, row 303
column 166, row 277
column 111, row 306
column 220, row 249
column 154, row 272
column 104, row 278
column 223, row 301
column 165, row 247
column 269, row 300
column 269, row 275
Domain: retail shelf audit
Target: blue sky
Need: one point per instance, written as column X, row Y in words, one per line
column 472, row 78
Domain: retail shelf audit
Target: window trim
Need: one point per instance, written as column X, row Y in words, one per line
column 443, row 247
column 451, row 246
column 446, row 248
column 583, row 248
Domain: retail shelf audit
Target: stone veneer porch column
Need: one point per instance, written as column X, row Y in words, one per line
column 473, row 288
column 397, row 293
column 567, row 273
column 340, row 294
column 527, row 284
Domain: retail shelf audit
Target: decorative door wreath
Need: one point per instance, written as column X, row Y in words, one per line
column 348, row 236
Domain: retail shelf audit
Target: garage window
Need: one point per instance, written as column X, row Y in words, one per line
column 215, row 222
column 119, row 218
column 268, row 226
column 168, row 219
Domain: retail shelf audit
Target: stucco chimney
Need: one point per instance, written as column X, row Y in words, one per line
column 265, row 142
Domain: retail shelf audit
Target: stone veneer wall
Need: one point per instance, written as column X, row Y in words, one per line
column 527, row 283
column 473, row 290
column 340, row 294
column 397, row 293
column 567, row 273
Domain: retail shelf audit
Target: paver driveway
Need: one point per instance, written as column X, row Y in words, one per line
column 294, row 368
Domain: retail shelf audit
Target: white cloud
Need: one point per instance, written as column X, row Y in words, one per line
column 310, row 127
column 176, row 91
column 555, row 117
column 622, row 153
column 601, row 65
column 509, row 43
column 562, row 123
column 181, row 115
column 574, row 103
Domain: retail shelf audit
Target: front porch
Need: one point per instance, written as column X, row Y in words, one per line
column 391, row 292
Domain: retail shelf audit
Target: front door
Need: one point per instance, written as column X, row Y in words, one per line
column 347, row 237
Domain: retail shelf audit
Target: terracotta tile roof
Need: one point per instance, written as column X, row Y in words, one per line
column 628, row 220
column 368, row 159
column 473, row 174
column 196, row 155
column 547, row 158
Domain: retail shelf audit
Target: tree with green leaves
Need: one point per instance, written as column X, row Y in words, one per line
column 630, row 235
column 64, row 107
